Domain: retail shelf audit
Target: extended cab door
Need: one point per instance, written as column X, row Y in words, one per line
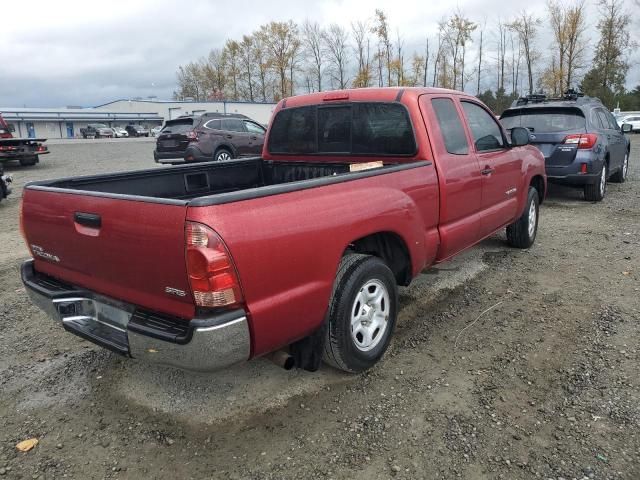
column 458, row 175
column 500, row 166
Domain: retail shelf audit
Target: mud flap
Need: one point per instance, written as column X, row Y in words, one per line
column 307, row 352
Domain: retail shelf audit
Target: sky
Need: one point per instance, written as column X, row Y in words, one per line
column 55, row 54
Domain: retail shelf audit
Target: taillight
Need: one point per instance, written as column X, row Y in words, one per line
column 192, row 135
column 583, row 141
column 212, row 274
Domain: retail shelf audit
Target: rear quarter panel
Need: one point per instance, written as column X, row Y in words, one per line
column 287, row 247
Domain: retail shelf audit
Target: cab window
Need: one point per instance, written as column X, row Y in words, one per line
column 486, row 133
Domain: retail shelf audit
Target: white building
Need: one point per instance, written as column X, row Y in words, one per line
column 67, row 122
column 169, row 109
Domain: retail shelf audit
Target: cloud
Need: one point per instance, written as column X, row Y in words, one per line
column 75, row 54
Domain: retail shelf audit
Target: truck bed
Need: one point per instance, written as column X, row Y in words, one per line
column 214, row 182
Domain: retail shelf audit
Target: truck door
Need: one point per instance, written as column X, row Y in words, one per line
column 500, row 167
column 458, row 173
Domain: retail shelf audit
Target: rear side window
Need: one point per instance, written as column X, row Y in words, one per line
column 486, row 132
column 233, row 125
column 451, row 127
column 177, row 126
column 544, row 120
column 213, row 125
column 353, row 129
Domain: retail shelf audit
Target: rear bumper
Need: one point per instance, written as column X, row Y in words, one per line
column 570, row 174
column 202, row 344
column 174, row 156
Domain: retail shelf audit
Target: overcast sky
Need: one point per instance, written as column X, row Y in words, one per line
column 74, row 53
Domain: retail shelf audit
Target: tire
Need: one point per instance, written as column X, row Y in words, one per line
column 222, row 155
column 29, row 161
column 595, row 192
column 621, row 175
column 522, row 233
column 358, row 277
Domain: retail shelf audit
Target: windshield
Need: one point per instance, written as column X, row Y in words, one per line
column 544, row 120
column 98, row 125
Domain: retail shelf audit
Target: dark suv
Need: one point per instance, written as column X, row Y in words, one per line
column 579, row 138
column 209, row 137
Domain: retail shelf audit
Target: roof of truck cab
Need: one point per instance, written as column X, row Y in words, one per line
column 375, row 94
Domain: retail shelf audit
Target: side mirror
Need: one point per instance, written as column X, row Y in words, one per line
column 519, row 136
column 626, row 127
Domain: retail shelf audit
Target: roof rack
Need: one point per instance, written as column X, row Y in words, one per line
column 569, row 95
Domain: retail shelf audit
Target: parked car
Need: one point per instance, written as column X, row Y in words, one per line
column 96, row 130
column 633, row 120
column 207, row 137
column 156, row 130
column 137, row 131
column 579, row 138
column 119, row 132
column 357, row 191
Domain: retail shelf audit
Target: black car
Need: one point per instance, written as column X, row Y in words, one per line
column 579, row 138
column 209, row 137
column 137, row 131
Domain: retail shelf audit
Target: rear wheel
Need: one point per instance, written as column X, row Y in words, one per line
column 621, row 175
column 29, row 161
column 522, row 233
column 362, row 313
column 222, row 155
column 595, row 192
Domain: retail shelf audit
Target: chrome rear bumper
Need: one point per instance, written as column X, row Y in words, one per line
column 201, row 344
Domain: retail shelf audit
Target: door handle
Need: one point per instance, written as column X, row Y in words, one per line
column 229, row 136
column 91, row 220
column 487, row 170
column 254, row 138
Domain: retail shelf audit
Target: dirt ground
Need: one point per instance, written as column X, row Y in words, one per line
column 506, row 364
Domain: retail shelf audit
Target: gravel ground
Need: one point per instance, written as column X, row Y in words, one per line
column 543, row 385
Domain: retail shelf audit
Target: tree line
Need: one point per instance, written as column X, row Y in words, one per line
column 497, row 62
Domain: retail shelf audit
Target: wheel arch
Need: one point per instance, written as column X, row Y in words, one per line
column 390, row 248
column 537, row 181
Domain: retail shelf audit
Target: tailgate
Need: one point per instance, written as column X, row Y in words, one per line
column 552, row 146
column 129, row 250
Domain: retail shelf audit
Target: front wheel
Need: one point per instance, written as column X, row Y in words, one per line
column 362, row 313
column 595, row 192
column 522, row 233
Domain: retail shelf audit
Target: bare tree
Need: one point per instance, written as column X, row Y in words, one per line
column 247, row 63
column 282, row 43
column 526, row 26
column 336, row 42
column 426, row 64
column 312, row 42
column 360, row 31
column 232, row 55
column 576, row 45
column 502, row 53
column 381, row 29
column 262, row 63
column 479, row 63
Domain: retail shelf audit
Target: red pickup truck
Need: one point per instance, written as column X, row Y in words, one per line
column 202, row 266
